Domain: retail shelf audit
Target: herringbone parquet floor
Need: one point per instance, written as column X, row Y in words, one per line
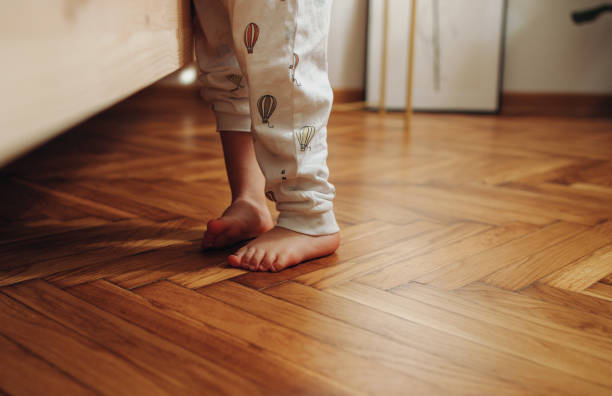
column 476, row 259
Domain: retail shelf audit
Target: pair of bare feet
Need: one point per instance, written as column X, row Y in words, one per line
column 273, row 249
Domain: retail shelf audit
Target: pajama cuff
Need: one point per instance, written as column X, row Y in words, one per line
column 309, row 224
column 233, row 122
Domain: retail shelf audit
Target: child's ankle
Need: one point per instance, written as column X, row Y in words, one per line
column 250, row 198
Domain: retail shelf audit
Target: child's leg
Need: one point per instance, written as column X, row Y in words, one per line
column 248, row 215
column 225, row 87
column 281, row 48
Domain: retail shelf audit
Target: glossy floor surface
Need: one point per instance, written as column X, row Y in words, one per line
column 476, row 259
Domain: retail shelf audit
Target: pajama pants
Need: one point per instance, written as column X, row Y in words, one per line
column 263, row 67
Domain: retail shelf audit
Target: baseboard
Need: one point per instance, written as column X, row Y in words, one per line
column 348, row 95
column 556, row 104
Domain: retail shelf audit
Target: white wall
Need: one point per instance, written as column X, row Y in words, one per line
column 547, row 52
column 346, row 45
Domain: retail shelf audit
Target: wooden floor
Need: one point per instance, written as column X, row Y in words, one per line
column 476, row 259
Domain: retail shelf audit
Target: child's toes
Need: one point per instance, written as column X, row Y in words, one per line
column 268, row 260
column 281, row 263
column 256, row 259
column 235, row 259
column 246, row 259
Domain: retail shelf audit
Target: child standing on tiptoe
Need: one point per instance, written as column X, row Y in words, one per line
column 264, row 69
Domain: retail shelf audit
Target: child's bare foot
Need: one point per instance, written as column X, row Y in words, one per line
column 244, row 219
column 280, row 248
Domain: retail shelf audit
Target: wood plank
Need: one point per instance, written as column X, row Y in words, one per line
column 268, row 370
column 444, row 205
column 206, row 276
column 523, row 273
column 599, row 290
column 517, row 373
column 146, row 264
column 84, row 359
column 398, row 356
column 18, row 231
column 538, row 350
column 519, row 201
column 139, row 209
column 570, row 299
column 183, row 199
column 357, row 373
column 23, row 373
column 22, row 202
column 594, row 190
column 206, row 268
column 369, row 210
column 411, row 268
column 422, row 241
column 178, row 263
column 46, row 256
column 358, row 240
column 597, row 200
column 584, row 331
column 583, row 273
column 463, row 272
column 173, row 368
column 92, row 208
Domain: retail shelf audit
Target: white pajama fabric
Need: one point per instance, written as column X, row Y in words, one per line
column 263, row 67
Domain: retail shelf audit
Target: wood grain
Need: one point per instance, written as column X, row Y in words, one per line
column 473, row 268
column 517, row 373
column 404, row 358
column 491, row 331
column 79, row 356
column 23, row 373
column 475, row 259
column 207, row 341
column 355, row 372
column 150, row 352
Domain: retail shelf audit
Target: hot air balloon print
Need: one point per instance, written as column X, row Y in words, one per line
column 266, row 106
column 251, row 34
column 235, row 79
column 293, row 67
column 305, row 135
column 296, row 60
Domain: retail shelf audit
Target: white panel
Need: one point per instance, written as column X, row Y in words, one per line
column 469, row 37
